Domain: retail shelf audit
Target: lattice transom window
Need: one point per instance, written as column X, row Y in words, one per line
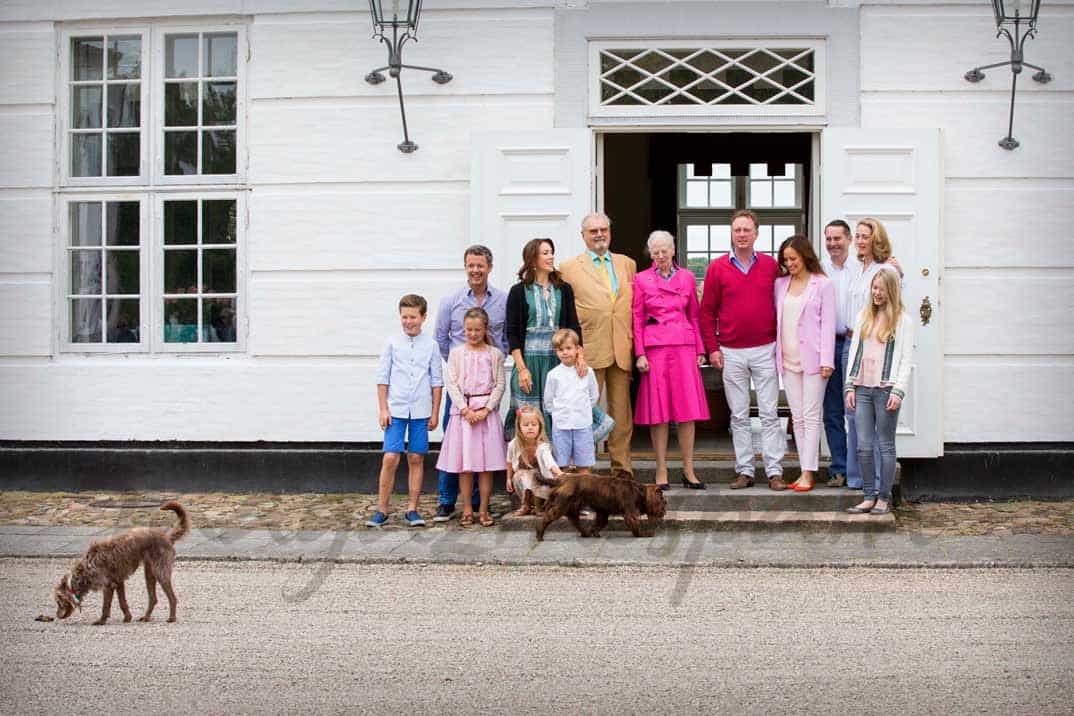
column 715, row 77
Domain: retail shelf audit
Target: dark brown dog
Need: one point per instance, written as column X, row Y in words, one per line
column 605, row 496
column 108, row 563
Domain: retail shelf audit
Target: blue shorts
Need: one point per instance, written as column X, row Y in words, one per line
column 574, row 447
column 418, row 429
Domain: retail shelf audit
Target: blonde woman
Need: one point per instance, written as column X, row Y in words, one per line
column 879, row 371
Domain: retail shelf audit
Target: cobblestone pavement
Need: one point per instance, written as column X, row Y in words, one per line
column 350, row 511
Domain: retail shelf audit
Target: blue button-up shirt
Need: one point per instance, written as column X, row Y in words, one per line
column 738, row 264
column 449, row 328
column 597, row 259
column 411, row 369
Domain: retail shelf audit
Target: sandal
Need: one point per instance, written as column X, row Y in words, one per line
column 466, row 520
column 486, row 519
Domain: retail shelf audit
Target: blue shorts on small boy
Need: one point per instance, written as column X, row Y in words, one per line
column 400, row 428
column 574, row 447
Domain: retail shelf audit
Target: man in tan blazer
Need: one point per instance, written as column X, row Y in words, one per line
column 603, row 283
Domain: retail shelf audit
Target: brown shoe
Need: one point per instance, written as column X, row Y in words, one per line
column 837, row 480
column 741, row 481
column 777, row 483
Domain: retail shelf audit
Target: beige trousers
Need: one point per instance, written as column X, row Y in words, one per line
column 617, row 381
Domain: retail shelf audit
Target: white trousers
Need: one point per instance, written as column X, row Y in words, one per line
column 739, row 366
column 805, row 395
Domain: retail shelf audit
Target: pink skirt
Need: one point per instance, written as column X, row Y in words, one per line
column 473, row 448
column 672, row 391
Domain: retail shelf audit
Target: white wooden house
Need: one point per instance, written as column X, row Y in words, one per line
column 205, row 224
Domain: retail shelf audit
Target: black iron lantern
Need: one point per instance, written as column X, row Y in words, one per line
column 1017, row 21
column 394, row 23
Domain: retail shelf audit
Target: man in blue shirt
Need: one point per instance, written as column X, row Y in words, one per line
column 477, row 260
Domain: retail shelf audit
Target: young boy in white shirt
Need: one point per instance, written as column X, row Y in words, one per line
column 569, row 399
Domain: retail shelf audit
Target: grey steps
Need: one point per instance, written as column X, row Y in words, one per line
column 720, row 498
column 719, row 471
column 725, row 521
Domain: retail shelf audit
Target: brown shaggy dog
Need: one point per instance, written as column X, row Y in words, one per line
column 107, row 564
column 605, row 496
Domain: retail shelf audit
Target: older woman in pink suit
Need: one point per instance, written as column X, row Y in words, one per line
column 667, row 343
column 805, row 346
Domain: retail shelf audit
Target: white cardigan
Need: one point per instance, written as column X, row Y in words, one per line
column 898, row 355
column 454, row 380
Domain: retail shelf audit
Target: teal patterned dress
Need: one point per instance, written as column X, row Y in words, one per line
column 542, row 322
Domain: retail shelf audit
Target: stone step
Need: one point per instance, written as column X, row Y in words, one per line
column 719, row 498
column 718, row 471
column 728, row 521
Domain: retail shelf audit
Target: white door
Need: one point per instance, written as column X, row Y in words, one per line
column 525, row 185
column 895, row 175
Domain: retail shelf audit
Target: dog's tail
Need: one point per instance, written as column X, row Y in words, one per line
column 179, row 531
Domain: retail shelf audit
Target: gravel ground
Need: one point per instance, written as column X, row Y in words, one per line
column 350, row 511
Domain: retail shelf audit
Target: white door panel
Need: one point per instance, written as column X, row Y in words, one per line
column 895, row 175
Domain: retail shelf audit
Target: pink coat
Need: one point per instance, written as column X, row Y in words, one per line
column 816, row 323
column 666, row 312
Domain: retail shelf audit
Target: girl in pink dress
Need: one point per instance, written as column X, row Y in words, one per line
column 474, row 438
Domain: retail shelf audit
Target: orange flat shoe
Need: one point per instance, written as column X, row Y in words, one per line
column 800, row 487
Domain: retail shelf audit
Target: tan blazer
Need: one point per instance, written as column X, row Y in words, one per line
column 607, row 325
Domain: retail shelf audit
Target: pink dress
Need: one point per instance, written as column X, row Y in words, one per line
column 478, row 447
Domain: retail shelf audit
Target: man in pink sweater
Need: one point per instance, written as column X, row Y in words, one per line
column 738, row 325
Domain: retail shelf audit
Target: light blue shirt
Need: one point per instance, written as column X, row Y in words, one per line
column 738, row 264
column 411, row 368
column 611, row 268
column 453, row 307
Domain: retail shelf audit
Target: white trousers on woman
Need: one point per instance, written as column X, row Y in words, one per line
column 805, row 395
column 739, row 366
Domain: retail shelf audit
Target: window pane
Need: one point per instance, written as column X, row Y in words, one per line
column 782, row 231
column 218, row 152
column 218, row 103
column 697, row 238
column 784, row 194
column 86, row 155
column 180, row 222
column 124, row 105
column 123, row 154
column 181, row 56
column 697, row 193
column 689, row 171
column 698, row 263
column 86, row 320
column 180, row 271
column 122, row 227
column 86, row 223
column 86, row 107
column 87, row 58
column 123, row 272
column 761, row 193
column 124, row 58
column 218, row 222
column 86, row 272
column 758, row 171
column 218, row 318
column 180, row 104
column 218, row 271
column 123, row 319
column 180, row 152
column 720, row 237
column 721, row 194
column 180, row 320
column 220, row 55
column 721, row 171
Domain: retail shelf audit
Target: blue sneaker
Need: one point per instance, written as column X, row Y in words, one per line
column 414, row 519
column 379, row 519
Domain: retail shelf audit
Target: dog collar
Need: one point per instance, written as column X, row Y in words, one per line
column 74, row 596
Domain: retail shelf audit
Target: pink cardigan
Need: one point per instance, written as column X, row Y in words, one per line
column 666, row 312
column 816, row 323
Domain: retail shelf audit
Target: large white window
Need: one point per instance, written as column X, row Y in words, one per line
column 158, row 113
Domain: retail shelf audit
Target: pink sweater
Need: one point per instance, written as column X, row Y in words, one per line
column 741, row 305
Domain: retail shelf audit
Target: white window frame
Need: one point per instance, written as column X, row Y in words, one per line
column 63, row 115
column 241, row 157
column 817, row 109
column 63, row 286
column 157, row 342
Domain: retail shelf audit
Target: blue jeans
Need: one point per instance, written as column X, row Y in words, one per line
column 835, row 429
column 875, row 420
column 447, row 483
column 854, row 479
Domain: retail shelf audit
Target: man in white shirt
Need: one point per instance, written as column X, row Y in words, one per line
column 839, row 266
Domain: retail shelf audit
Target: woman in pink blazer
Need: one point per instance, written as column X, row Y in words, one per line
column 805, row 346
column 667, row 343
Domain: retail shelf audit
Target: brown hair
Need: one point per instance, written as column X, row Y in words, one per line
column 881, row 244
column 413, row 300
column 563, row 336
column 527, row 273
column 748, row 214
column 803, row 248
column 480, row 314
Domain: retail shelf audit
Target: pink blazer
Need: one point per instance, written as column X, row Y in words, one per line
column 666, row 312
column 816, row 323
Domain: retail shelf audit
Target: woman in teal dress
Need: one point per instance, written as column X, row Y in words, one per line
column 537, row 306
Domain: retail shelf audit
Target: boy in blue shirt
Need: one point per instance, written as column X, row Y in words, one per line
column 409, row 385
